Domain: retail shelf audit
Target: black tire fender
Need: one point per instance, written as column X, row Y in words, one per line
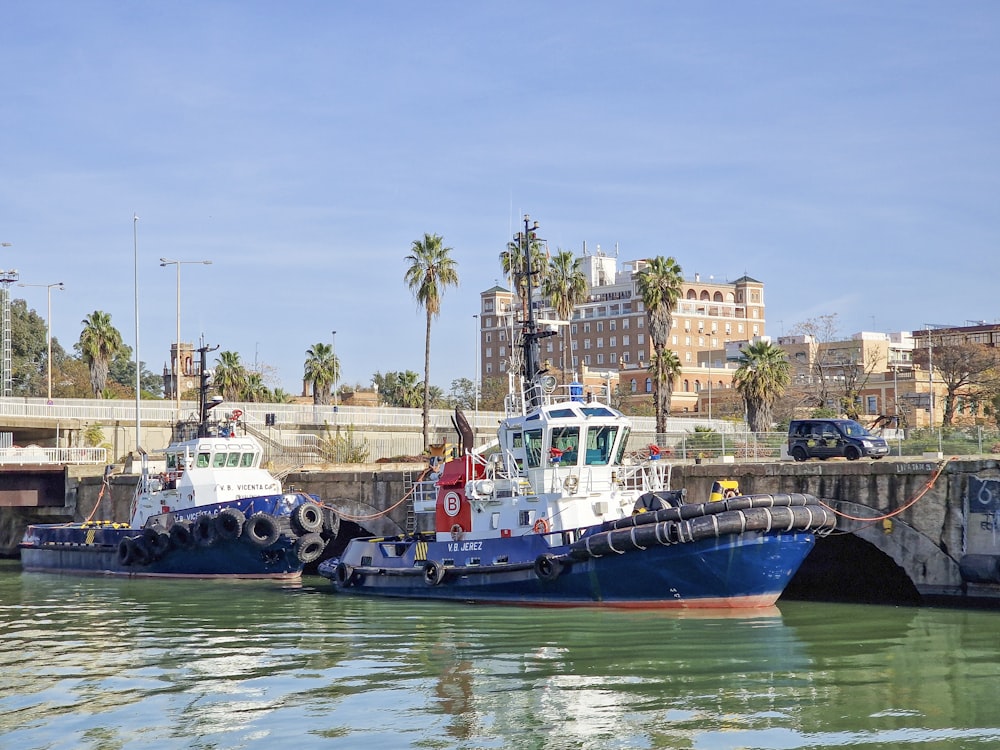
column 309, row 548
column 157, row 541
column 307, row 518
column 229, row 523
column 548, row 567
column 204, row 532
column 126, row 551
column 344, row 575
column 181, row 536
column 433, row 572
column 261, row 529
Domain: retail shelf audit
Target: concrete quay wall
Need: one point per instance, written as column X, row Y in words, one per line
column 937, row 521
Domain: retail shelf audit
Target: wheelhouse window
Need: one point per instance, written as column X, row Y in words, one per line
column 600, row 442
column 533, row 448
column 565, row 444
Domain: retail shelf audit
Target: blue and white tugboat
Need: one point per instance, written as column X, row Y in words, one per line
column 557, row 512
column 214, row 513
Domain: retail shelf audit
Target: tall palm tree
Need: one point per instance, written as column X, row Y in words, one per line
column 322, row 370
column 431, row 270
column 99, row 343
column 565, row 286
column 659, row 286
column 230, row 376
column 665, row 367
column 512, row 261
column 763, row 374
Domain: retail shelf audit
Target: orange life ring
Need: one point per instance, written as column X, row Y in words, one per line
column 457, row 532
column 541, row 526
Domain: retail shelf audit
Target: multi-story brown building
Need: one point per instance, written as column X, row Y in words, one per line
column 607, row 335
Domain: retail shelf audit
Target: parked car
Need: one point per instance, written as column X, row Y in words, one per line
column 832, row 438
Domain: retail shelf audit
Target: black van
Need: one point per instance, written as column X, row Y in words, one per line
column 831, row 438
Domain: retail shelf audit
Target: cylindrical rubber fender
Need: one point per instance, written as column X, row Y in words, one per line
column 653, row 501
column 548, row 566
column 204, row 531
column 344, row 575
column 331, row 522
column 157, row 541
column 261, row 529
column 307, row 518
column 433, row 572
column 181, row 536
column 309, row 548
column 229, row 523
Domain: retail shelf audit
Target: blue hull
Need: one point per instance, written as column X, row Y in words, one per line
column 96, row 549
column 745, row 570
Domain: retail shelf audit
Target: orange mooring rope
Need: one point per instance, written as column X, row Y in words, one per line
column 923, row 491
column 391, row 507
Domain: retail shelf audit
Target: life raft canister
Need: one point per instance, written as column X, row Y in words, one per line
column 724, row 489
column 452, row 508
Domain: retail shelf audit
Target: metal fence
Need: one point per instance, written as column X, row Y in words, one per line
column 389, row 432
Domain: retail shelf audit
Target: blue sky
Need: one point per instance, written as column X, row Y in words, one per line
column 844, row 153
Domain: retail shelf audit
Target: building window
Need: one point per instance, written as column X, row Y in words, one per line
column 649, row 385
column 633, row 386
column 873, row 404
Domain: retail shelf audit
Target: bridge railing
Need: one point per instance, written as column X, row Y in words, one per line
column 34, row 454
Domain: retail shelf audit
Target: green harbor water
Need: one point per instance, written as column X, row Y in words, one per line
column 107, row 663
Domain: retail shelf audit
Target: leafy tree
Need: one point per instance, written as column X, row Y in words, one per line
column 492, row 392
column 659, row 286
column 565, row 286
column 462, row 394
column 99, row 342
column 29, row 351
column 431, row 270
column 322, row 369
column 964, row 368
column 819, row 387
column 121, row 373
column 761, row 377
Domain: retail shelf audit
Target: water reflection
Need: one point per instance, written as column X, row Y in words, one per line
column 116, row 663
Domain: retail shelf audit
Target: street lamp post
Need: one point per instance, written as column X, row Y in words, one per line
column 177, row 346
column 333, row 350
column 48, row 326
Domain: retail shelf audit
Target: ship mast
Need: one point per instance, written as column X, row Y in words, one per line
column 530, row 335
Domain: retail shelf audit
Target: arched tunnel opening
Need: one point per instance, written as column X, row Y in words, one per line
column 845, row 568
